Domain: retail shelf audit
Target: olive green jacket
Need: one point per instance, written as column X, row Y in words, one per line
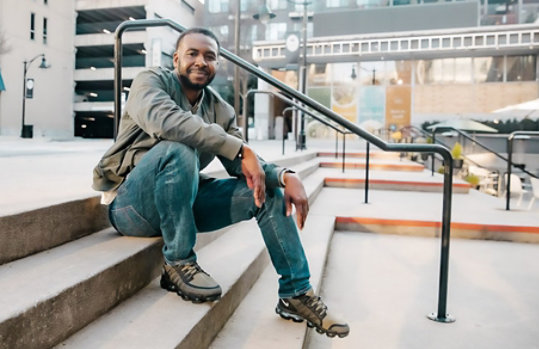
column 158, row 110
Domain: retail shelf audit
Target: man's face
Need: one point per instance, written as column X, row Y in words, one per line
column 196, row 61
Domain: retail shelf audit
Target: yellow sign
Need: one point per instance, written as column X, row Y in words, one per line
column 398, row 106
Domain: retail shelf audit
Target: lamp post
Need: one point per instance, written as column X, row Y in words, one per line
column 266, row 14
column 26, row 130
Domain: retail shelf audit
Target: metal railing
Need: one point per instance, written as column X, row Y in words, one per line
column 510, row 164
column 440, row 315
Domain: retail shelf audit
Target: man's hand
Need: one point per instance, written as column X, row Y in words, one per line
column 294, row 193
column 254, row 175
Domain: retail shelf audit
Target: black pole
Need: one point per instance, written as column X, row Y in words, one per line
column 23, row 134
column 367, row 158
column 343, row 150
column 432, row 154
column 508, row 181
column 336, row 144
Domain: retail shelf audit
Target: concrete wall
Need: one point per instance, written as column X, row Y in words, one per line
column 51, row 109
column 397, row 18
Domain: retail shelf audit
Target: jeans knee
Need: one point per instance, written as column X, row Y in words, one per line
column 178, row 158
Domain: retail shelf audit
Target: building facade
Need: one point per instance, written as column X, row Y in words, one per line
column 74, row 95
column 28, row 29
column 397, row 62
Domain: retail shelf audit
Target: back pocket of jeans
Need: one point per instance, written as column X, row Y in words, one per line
column 129, row 222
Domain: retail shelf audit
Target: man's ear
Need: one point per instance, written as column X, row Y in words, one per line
column 175, row 59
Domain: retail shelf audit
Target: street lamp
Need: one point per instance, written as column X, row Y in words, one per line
column 266, row 14
column 26, row 130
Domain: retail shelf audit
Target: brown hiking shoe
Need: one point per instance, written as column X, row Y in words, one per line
column 311, row 308
column 190, row 282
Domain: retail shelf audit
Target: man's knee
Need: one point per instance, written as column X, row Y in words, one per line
column 178, row 157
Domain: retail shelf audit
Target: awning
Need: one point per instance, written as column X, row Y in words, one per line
column 2, row 86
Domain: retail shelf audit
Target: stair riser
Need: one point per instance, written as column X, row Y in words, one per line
column 394, row 186
column 38, row 230
column 376, row 155
column 49, row 322
column 374, row 166
column 431, row 230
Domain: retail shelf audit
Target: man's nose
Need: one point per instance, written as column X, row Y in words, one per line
column 200, row 60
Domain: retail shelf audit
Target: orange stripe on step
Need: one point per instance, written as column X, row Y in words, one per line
column 387, row 181
column 455, row 225
column 362, row 165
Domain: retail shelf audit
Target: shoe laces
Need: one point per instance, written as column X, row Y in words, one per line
column 316, row 305
column 190, row 270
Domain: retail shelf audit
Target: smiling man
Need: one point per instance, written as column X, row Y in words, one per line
column 173, row 126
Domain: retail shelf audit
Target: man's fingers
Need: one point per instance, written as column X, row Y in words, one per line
column 301, row 215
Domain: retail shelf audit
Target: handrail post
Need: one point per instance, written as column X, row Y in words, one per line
column 343, row 150
column 367, row 173
column 336, row 144
column 508, row 181
column 432, row 154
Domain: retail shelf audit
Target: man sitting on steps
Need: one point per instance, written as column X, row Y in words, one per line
column 172, row 127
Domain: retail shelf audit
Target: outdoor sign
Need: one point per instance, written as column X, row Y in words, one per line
column 398, row 106
column 372, row 102
column 344, row 101
column 29, row 88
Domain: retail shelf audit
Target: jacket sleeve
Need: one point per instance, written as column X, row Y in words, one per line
column 157, row 114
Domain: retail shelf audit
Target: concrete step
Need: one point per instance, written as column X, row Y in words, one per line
column 395, row 184
column 255, row 324
column 34, row 231
column 154, row 318
column 473, row 216
column 48, row 296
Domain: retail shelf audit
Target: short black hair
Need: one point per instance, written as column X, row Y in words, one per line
column 198, row 30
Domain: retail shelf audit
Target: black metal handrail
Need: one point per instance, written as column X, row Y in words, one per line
column 467, row 136
column 510, row 140
column 440, row 315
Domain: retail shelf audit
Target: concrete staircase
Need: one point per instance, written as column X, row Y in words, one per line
column 69, row 280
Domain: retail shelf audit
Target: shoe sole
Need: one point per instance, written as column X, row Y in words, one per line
column 169, row 286
column 298, row 318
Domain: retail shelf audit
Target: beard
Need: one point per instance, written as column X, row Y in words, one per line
column 184, row 79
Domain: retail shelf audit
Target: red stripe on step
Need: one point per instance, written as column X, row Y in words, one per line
column 455, row 225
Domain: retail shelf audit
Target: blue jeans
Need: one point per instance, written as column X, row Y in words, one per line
column 164, row 195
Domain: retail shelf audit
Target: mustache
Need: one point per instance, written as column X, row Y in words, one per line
column 203, row 70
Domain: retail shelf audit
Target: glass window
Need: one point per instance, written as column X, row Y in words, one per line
column 336, row 3
column 44, row 30
column 215, row 6
column 435, row 71
column 254, row 33
column 463, row 70
column 399, row 72
column 277, row 4
column 369, row 71
column 488, row 69
column 32, row 26
column 372, row 3
column 521, row 68
column 275, row 31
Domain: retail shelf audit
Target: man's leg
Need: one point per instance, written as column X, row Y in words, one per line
column 221, row 202
column 157, row 198
column 231, row 201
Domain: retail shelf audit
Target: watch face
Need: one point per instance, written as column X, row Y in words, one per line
column 292, row 43
column 30, row 84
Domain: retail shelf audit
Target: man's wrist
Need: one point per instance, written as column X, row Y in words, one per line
column 282, row 175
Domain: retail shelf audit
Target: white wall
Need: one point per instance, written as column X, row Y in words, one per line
column 51, row 109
